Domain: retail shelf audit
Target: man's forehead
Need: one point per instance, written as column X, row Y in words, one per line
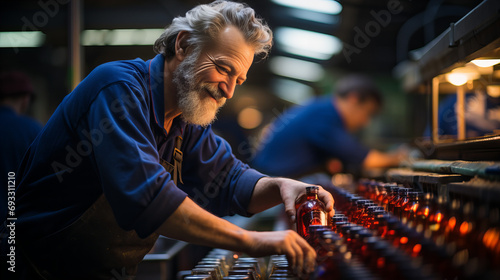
column 231, row 42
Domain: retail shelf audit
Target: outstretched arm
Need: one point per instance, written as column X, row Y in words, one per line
column 193, row 224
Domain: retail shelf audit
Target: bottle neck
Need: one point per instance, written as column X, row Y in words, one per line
column 310, row 196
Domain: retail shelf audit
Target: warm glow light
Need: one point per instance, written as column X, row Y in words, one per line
column 461, row 75
column 485, row 62
column 452, row 222
column 249, row 118
column 403, row 240
column 295, row 68
column 307, row 43
column 456, row 79
column 380, row 262
column 120, row 37
column 426, row 211
column 439, row 217
column 321, row 6
column 416, row 249
column 464, row 228
column 491, row 237
column 493, row 90
column 24, row 39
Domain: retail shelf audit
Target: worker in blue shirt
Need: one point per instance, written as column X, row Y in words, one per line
column 17, row 131
column 126, row 156
column 317, row 137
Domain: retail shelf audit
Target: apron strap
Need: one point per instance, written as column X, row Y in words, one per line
column 177, row 158
column 175, row 168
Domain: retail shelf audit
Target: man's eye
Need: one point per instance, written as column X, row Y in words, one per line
column 222, row 69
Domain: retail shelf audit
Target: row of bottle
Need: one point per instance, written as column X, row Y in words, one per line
column 226, row 265
column 350, row 251
column 456, row 238
column 344, row 250
column 384, row 222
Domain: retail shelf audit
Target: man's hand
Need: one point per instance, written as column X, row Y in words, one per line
column 292, row 190
column 301, row 256
column 193, row 224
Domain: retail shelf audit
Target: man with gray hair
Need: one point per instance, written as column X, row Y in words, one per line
column 130, row 155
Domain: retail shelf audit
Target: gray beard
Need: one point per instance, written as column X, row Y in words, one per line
column 194, row 102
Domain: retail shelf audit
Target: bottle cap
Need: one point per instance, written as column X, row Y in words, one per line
column 336, row 219
column 404, row 191
column 362, row 202
column 312, row 189
column 413, row 194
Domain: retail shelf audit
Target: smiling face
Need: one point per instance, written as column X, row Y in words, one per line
column 207, row 77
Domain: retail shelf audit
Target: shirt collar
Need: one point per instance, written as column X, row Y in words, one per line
column 156, row 87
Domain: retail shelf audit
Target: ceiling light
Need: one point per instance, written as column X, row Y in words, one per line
column 307, row 43
column 22, row 39
column 461, row 75
column 322, row 6
column 485, row 62
column 120, row 37
column 296, row 68
column 316, row 17
column 456, row 79
column 292, row 91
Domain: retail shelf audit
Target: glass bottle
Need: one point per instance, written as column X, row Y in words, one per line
column 423, row 213
column 391, row 189
column 395, row 197
column 409, row 210
column 359, row 210
column 382, row 193
column 310, row 212
column 400, row 204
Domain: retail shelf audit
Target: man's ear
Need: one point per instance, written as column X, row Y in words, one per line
column 181, row 45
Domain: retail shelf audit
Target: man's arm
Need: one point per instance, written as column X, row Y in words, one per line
column 269, row 192
column 193, row 224
column 376, row 159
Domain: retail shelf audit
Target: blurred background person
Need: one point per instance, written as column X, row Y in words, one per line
column 318, row 136
column 17, row 130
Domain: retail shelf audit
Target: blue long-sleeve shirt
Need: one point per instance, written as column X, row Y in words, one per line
column 303, row 138
column 107, row 136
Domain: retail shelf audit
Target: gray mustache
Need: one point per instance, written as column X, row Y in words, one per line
column 215, row 92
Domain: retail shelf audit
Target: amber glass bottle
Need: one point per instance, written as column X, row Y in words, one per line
column 401, row 203
column 409, row 211
column 310, row 212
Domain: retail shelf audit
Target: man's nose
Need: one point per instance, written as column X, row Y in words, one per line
column 228, row 88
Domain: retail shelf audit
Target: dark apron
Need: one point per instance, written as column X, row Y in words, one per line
column 95, row 246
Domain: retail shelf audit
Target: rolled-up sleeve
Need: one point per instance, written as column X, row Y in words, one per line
column 213, row 177
column 139, row 190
